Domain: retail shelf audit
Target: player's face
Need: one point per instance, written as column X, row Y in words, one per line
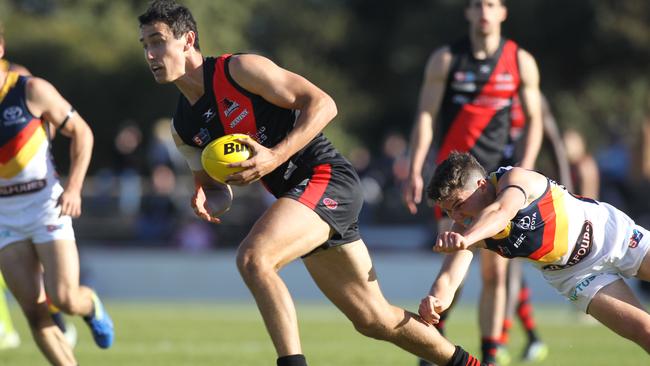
column 485, row 16
column 466, row 204
column 164, row 53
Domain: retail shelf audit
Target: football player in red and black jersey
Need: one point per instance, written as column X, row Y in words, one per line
column 318, row 193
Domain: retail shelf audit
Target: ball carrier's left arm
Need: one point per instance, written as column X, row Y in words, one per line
column 211, row 199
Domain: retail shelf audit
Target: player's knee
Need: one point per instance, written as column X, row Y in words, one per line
column 67, row 302
column 493, row 278
column 373, row 328
column 252, row 264
column 374, row 324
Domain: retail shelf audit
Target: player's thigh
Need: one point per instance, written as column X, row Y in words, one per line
column 345, row 275
column 21, row 270
column 286, row 231
column 60, row 260
column 493, row 267
column 616, row 306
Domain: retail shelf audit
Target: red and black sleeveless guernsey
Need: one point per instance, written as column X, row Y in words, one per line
column 475, row 114
column 227, row 108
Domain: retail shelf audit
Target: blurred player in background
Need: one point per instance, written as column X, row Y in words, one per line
column 9, row 338
column 38, row 253
column 468, row 92
column 584, row 248
column 315, row 216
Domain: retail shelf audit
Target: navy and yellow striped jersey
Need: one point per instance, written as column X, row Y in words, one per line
column 557, row 229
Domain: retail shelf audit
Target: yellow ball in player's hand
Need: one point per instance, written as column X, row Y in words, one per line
column 223, row 151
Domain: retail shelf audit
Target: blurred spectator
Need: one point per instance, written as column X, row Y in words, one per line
column 158, row 214
column 614, row 163
column 360, row 159
column 162, row 150
column 584, row 170
column 128, row 167
column 389, row 170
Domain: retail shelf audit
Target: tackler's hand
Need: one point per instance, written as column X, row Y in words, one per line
column 449, row 242
column 430, row 309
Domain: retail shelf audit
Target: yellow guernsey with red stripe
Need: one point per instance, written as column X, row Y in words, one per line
column 554, row 231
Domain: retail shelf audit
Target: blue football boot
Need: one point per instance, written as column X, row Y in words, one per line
column 100, row 324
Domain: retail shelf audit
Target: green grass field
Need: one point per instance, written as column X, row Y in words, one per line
column 233, row 334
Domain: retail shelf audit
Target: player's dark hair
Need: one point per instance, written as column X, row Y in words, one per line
column 177, row 17
column 452, row 175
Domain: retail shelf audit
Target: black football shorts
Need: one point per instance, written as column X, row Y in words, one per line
column 334, row 192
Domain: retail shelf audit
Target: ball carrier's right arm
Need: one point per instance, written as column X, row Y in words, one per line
column 211, row 199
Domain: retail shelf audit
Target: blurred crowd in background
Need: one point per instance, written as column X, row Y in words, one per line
column 141, row 197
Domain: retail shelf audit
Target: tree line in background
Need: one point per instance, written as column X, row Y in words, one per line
column 594, row 57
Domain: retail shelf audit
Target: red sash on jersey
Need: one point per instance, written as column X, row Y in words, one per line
column 234, row 107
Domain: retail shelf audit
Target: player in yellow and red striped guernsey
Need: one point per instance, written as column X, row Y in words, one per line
column 37, row 245
column 8, row 336
column 583, row 247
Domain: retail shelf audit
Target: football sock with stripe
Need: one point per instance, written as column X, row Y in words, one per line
column 489, row 349
column 462, row 358
column 525, row 312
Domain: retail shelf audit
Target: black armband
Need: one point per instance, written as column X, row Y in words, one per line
column 517, row 187
column 66, row 119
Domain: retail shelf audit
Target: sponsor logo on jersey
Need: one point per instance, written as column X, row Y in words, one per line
column 229, row 106
column 485, row 69
column 202, row 137
column 260, row 136
column 580, row 287
column 13, row 115
column 520, row 240
column 53, row 228
column 495, row 103
column 239, row 118
column 467, row 76
column 22, row 188
column 504, row 77
column 635, row 239
column 528, row 222
column 208, row 115
column 464, row 87
column 330, row 203
column 581, row 249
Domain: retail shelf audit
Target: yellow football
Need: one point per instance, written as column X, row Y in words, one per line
column 223, row 151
